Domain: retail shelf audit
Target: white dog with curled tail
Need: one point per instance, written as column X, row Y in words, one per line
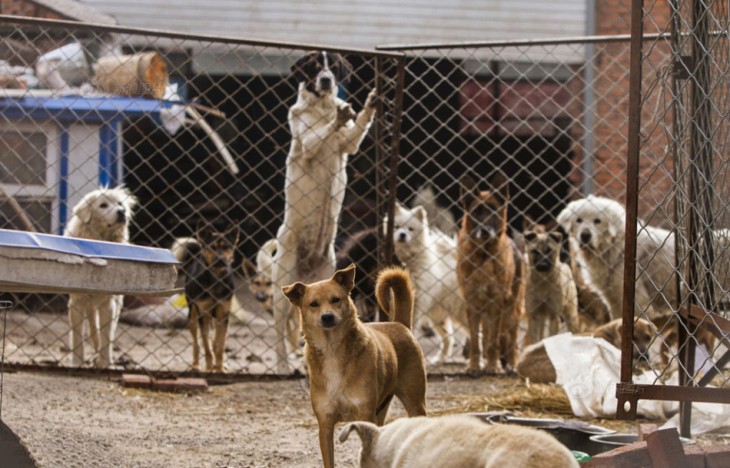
column 325, row 131
column 104, row 215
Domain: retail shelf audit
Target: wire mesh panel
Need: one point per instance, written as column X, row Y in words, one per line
column 197, row 129
column 201, row 132
column 549, row 116
column 681, row 156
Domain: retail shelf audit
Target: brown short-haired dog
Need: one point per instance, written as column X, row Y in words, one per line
column 356, row 369
column 490, row 272
column 550, row 292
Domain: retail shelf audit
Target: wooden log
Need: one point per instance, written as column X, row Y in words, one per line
column 143, row 74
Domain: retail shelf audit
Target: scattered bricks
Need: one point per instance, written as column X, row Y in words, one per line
column 182, row 385
column 717, row 456
column 136, row 381
column 645, row 429
column 665, row 449
column 635, row 455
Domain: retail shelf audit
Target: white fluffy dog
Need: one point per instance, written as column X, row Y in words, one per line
column 597, row 226
column 103, row 214
column 456, row 440
column 430, row 257
column 325, row 130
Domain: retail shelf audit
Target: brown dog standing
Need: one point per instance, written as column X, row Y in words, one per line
column 490, row 272
column 356, row 369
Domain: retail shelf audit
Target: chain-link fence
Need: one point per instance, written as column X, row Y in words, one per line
column 679, row 142
column 197, row 129
column 549, row 115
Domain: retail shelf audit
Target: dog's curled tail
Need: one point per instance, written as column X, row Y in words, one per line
column 399, row 306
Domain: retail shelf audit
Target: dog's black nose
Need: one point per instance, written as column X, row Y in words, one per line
column 262, row 297
column 325, row 82
column 402, row 237
column 585, row 237
column 328, row 320
column 121, row 216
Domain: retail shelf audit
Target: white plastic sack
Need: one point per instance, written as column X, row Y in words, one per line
column 588, row 369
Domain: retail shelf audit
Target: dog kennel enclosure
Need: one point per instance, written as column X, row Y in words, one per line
column 552, row 114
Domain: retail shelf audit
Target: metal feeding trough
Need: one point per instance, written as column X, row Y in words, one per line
column 576, row 435
column 33, row 262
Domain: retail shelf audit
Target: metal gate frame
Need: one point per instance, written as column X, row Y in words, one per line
column 628, row 393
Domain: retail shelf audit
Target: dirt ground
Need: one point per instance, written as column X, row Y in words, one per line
column 93, row 421
column 83, row 421
column 80, row 421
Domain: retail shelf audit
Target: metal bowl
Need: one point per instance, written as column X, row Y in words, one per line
column 608, row 442
column 575, row 435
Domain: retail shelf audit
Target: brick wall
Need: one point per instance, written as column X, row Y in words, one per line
column 611, row 130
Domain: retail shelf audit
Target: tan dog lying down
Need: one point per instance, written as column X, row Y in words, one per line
column 356, row 369
column 458, row 441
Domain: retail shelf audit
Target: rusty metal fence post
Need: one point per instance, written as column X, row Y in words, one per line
column 685, row 102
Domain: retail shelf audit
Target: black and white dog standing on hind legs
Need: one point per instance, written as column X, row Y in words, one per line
column 325, row 131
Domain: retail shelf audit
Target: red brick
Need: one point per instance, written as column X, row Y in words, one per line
column 717, row 456
column 665, row 449
column 136, row 381
column 646, row 429
column 180, row 385
column 635, row 456
column 694, row 456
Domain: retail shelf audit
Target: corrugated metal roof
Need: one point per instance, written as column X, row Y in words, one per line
column 357, row 23
column 75, row 10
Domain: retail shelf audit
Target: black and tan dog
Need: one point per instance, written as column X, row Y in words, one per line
column 356, row 369
column 209, row 287
column 490, row 272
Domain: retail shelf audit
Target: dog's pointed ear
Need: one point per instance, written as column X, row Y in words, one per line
column 500, row 184
column 557, row 236
column 469, row 192
column 400, row 208
column 530, row 236
column 345, row 277
column 232, row 235
column 249, row 269
column 420, row 213
column 367, row 431
column 295, row 293
column 564, row 244
column 203, row 232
